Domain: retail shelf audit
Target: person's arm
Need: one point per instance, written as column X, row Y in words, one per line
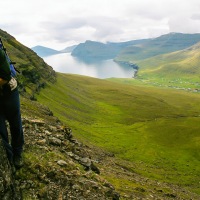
column 5, row 74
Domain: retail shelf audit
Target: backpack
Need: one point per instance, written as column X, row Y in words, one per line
column 12, row 67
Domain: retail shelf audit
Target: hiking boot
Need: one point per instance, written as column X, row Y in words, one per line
column 18, row 162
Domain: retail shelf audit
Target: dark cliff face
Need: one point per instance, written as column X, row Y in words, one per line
column 7, row 184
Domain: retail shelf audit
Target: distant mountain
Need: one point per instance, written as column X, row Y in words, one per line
column 135, row 50
column 170, row 55
column 92, row 50
column 164, row 44
column 68, row 49
column 44, row 51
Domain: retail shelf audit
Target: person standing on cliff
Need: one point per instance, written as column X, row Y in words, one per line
column 10, row 111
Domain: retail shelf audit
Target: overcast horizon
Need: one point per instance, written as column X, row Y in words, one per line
column 62, row 23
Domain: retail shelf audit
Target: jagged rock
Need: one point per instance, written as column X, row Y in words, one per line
column 55, row 141
column 62, row 163
column 115, row 195
column 85, row 162
column 94, row 168
column 37, row 121
column 41, row 142
column 76, row 187
column 47, row 132
column 53, row 162
column 68, row 132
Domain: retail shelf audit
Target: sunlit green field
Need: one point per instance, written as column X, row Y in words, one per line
column 156, row 128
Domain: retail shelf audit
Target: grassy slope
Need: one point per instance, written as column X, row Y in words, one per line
column 156, row 129
column 171, row 60
column 179, row 69
column 180, row 64
column 34, row 72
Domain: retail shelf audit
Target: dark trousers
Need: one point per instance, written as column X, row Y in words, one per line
column 10, row 111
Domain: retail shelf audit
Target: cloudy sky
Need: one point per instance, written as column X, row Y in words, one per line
column 61, row 23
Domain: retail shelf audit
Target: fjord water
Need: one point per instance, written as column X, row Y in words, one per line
column 66, row 63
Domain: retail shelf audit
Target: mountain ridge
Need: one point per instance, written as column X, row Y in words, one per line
column 43, row 51
column 93, row 50
column 161, row 45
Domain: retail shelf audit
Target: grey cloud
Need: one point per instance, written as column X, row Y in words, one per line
column 196, row 16
column 147, row 10
column 106, row 27
column 183, row 24
column 64, row 24
column 96, row 28
column 99, row 20
column 16, row 28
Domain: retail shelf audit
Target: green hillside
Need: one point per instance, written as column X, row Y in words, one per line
column 160, row 45
column 180, row 69
column 184, row 63
column 155, row 130
column 34, row 72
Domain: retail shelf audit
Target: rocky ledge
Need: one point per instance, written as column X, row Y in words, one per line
column 56, row 166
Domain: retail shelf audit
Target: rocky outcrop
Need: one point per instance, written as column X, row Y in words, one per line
column 7, row 181
column 57, row 166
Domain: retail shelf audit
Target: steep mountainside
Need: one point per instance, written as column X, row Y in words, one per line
column 56, row 165
column 152, row 134
column 94, row 51
column 164, row 44
column 35, row 73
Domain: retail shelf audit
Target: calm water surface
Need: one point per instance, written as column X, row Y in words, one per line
column 103, row 69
